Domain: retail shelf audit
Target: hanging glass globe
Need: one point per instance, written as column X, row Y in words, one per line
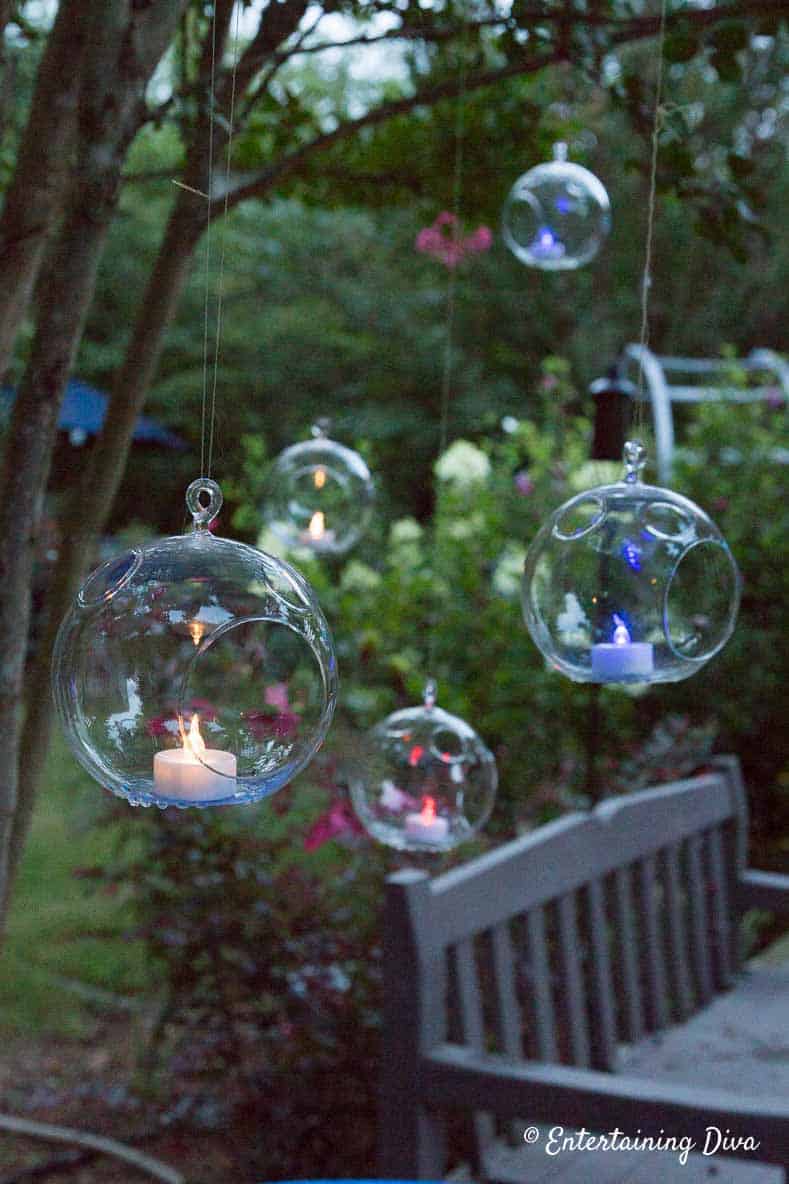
column 320, row 495
column 195, row 671
column 630, row 583
column 429, row 782
column 557, row 215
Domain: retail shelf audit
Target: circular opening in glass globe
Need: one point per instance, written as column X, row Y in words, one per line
column 320, row 497
column 556, row 216
column 580, row 517
column 428, row 783
column 701, row 600
column 276, row 713
column 629, row 583
column 109, row 578
column 194, row 671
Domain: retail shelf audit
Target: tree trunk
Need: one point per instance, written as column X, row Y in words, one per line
column 123, row 49
column 92, row 501
column 35, row 195
column 90, row 507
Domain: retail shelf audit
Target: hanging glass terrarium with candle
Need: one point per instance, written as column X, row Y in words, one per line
column 429, row 781
column 320, row 495
column 557, row 215
column 195, row 671
column 630, row 583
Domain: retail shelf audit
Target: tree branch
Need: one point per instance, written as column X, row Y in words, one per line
column 642, row 28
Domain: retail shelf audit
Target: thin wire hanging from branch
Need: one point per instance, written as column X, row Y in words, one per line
column 208, row 405
column 646, row 277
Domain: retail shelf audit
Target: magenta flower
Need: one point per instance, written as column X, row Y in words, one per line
column 282, row 724
column 444, row 241
column 524, row 483
column 277, row 696
column 337, row 822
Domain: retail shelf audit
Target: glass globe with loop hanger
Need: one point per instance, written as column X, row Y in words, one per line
column 429, row 781
column 320, row 495
column 630, row 583
column 195, row 671
column 557, row 215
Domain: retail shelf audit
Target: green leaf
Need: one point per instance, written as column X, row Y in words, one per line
column 680, row 45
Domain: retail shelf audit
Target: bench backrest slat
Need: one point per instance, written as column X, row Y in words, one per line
column 601, row 984
column 653, row 948
column 628, row 980
column 719, row 909
column 572, row 980
column 699, row 920
column 678, row 944
column 543, row 1016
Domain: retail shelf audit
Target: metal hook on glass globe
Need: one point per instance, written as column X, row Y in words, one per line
column 630, row 583
column 557, row 215
column 195, row 671
column 429, row 781
column 320, row 495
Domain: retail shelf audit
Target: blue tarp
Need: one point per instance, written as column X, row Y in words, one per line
column 84, row 409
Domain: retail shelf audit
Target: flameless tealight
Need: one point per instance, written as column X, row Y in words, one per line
column 630, row 583
column 557, row 215
column 195, row 671
column 320, row 495
column 429, row 780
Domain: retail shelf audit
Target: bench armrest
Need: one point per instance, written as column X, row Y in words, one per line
column 454, row 1075
column 764, row 890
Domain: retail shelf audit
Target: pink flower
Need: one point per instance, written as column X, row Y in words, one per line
column 549, row 382
column 162, row 725
column 338, row 821
column 282, row 724
column 480, row 240
column 444, row 242
column 524, row 483
column 277, row 695
column 428, row 241
column 204, row 708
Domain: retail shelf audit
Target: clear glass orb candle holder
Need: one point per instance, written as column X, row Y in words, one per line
column 320, row 495
column 195, row 671
column 629, row 583
column 557, row 215
column 429, row 782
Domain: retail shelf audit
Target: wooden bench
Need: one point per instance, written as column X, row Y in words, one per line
column 542, row 984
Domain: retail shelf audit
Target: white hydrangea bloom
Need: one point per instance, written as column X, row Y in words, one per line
column 596, row 472
column 573, row 622
column 508, row 571
column 359, row 577
column 463, row 464
column 466, row 527
column 404, row 531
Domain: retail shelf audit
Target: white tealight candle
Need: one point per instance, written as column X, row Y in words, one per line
column 426, row 826
column 316, row 535
column 622, row 658
column 194, row 773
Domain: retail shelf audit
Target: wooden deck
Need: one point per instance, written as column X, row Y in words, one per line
column 739, row 1043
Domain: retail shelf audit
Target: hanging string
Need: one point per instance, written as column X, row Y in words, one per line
column 207, row 254
column 221, row 285
column 457, row 185
column 646, row 278
column 454, row 262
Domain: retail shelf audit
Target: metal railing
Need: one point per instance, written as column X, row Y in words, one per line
column 662, row 392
